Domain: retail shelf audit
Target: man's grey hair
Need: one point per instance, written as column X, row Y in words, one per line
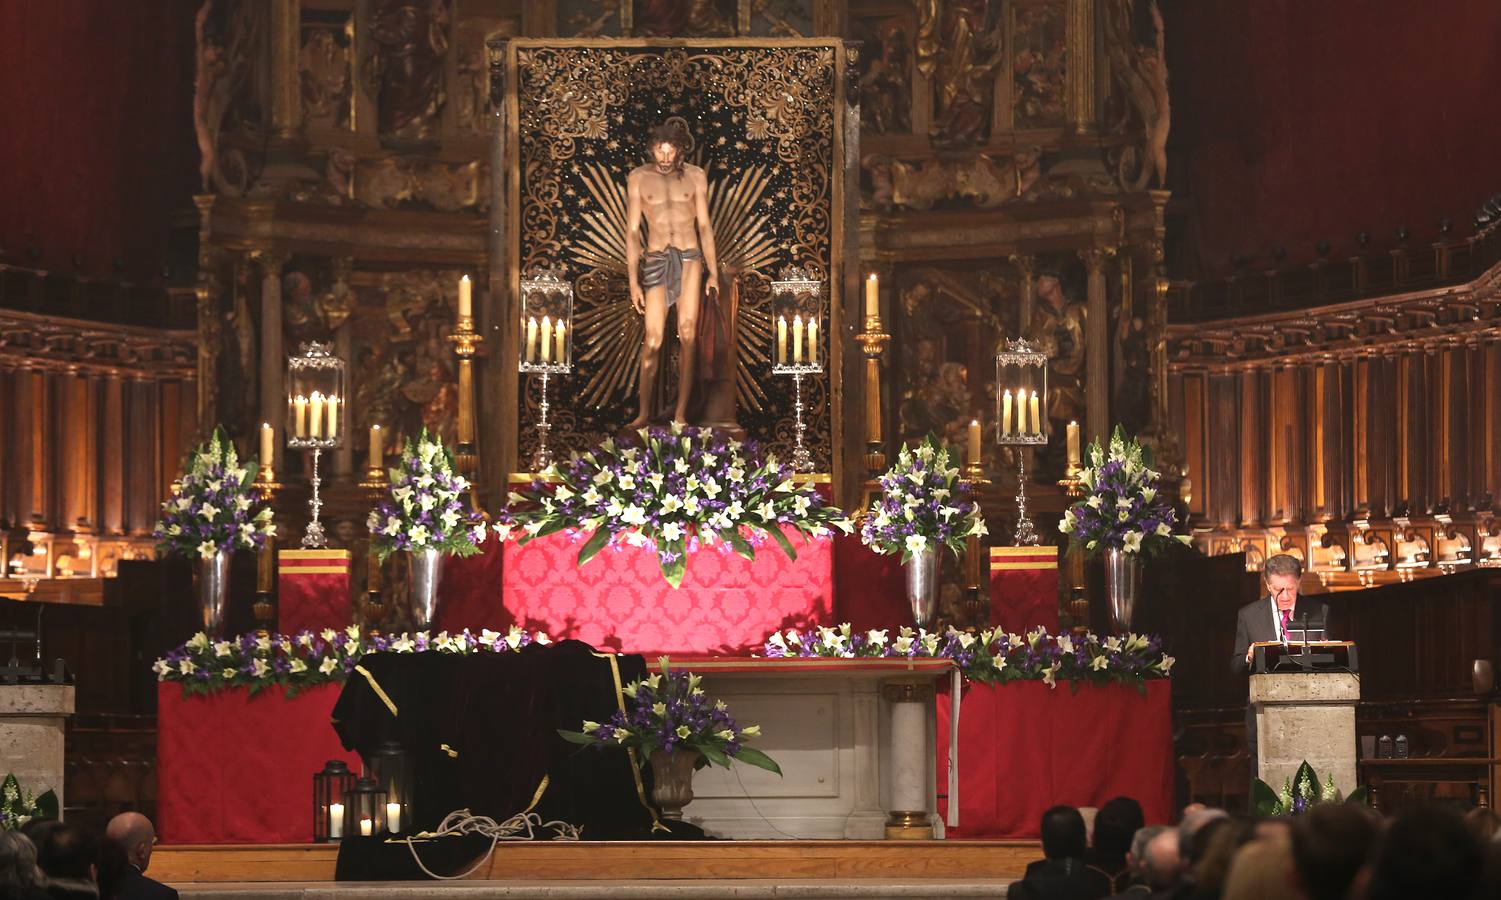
column 1139, row 842
column 1282, row 564
column 17, row 860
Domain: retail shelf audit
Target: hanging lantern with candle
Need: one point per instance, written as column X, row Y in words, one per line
column 545, row 336
column 1021, row 421
column 392, row 770
column 317, row 417
column 329, row 789
column 797, row 311
column 365, row 809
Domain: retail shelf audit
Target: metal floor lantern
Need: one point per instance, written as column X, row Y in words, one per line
column 1021, row 389
column 797, row 307
column 546, row 337
column 316, row 417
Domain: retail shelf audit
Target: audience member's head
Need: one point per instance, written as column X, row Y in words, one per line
column 37, row 829
column 1193, row 835
column 1161, row 867
column 17, row 861
column 1261, row 870
column 67, row 851
column 1279, row 828
column 135, row 835
column 1483, row 822
column 1425, row 853
column 1062, row 833
column 1136, row 857
column 1221, row 839
column 1330, row 843
column 1115, row 826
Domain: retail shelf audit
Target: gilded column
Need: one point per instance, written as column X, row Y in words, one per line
column 286, row 111
column 344, row 349
column 273, row 357
column 1081, row 65
column 1026, row 268
column 112, row 480
column 1096, row 346
column 210, row 324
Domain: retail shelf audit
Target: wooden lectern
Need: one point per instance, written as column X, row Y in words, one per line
column 1303, row 696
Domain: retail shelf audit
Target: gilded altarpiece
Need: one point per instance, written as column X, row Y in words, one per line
column 765, row 118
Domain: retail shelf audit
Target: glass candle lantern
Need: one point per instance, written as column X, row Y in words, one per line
column 796, row 315
column 317, row 400
column 365, row 809
column 391, row 769
column 1021, row 393
column 546, row 328
column 329, row 789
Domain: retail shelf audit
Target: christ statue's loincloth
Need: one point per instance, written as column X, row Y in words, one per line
column 659, row 267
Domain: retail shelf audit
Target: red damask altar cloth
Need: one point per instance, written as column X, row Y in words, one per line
column 1024, row 747
column 232, row 768
column 1024, row 588
column 620, row 601
column 313, row 590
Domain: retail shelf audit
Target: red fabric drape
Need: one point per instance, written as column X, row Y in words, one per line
column 869, row 587
column 313, row 590
column 469, row 594
column 1024, row 747
column 1024, row 588
column 233, row 769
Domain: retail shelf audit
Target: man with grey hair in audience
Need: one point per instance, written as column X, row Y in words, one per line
column 1139, row 864
column 1272, row 618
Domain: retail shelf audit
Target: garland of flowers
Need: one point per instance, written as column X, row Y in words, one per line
column 670, row 491
column 424, row 510
column 212, row 507
column 18, row 808
column 992, row 656
column 1122, row 509
column 669, row 712
column 303, row 660
column 923, row 505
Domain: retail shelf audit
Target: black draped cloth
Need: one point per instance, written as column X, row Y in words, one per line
column 481, row 732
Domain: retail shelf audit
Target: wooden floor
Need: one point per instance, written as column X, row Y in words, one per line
column 625, row 860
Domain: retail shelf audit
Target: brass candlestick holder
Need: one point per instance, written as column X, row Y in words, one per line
column 976, row 597
column 264, row 608
column 873, row 341
column 466, row 345
column 374, row 487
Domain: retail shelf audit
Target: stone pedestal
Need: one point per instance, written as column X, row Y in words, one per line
column 1306, row 716
column 32, row 717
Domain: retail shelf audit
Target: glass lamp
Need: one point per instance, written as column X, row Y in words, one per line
column 545, row 334
column 391, row 769
column 329, row 789
column 797, row 309
column 1021, row 392
column 365, row 809
column 317, row 417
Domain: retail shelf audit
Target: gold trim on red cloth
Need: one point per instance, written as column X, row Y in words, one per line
column 1030, row 559
column 313, row 554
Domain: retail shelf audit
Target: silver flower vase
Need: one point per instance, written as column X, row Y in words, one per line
column 213, row 592
column 672, row 781
column 425, row 571
column 1122, row 581
column 922, row 569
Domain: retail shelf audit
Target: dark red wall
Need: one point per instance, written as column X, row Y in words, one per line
column 96, row 137
column 1296, row 121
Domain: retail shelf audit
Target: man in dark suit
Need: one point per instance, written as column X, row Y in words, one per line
column 1271, row 618
column 135, row 833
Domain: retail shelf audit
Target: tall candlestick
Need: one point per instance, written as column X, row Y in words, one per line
column 531, row 339
column 974, row 441
column 466, row 299
column 781, row 340
column 333, row 415
column 797, row 340
column 1006, row 412
column 872, row 296
column 1021, row 411
column 336, row 820
column 558, row 335
column 1073, row 443
column 393, row 817
column 546, row 339
column 1036, row 420
column 300, row 405
column 267, row 438
column 812, row 342
column 377, row 449
column 315, row 416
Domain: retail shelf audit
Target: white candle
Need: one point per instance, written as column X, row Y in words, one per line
column 781, row 340
column 546, row 339
column 367, row 827
column 813, row 342
column 558, row 335
column 974, row 441
column 377, row 448
column 267, row 436
column 797, row 340
column 872, row 296
column 315, row 416
column 466, row 300
column 393, row 817
column 1021, row 411
column 1036, row 420
column 1073, row 443
column 1006, row 412
column 531, row 339
column 333, row 415
column 335, row 820
column 300, row 405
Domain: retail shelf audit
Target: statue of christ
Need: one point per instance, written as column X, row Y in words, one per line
column 676, row 263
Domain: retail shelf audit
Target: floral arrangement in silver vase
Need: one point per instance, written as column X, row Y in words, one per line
column 214, row 507
column 425, row 510
column 923, row 505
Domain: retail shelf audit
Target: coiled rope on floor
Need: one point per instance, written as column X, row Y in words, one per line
column 521, row 827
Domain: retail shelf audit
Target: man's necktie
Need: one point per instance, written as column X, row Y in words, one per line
column 1287, row 616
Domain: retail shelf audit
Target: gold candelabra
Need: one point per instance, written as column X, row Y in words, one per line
column 976, row 597
column 374, row 487
column 466, row 345
column 873, row 343
column 264, row 608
